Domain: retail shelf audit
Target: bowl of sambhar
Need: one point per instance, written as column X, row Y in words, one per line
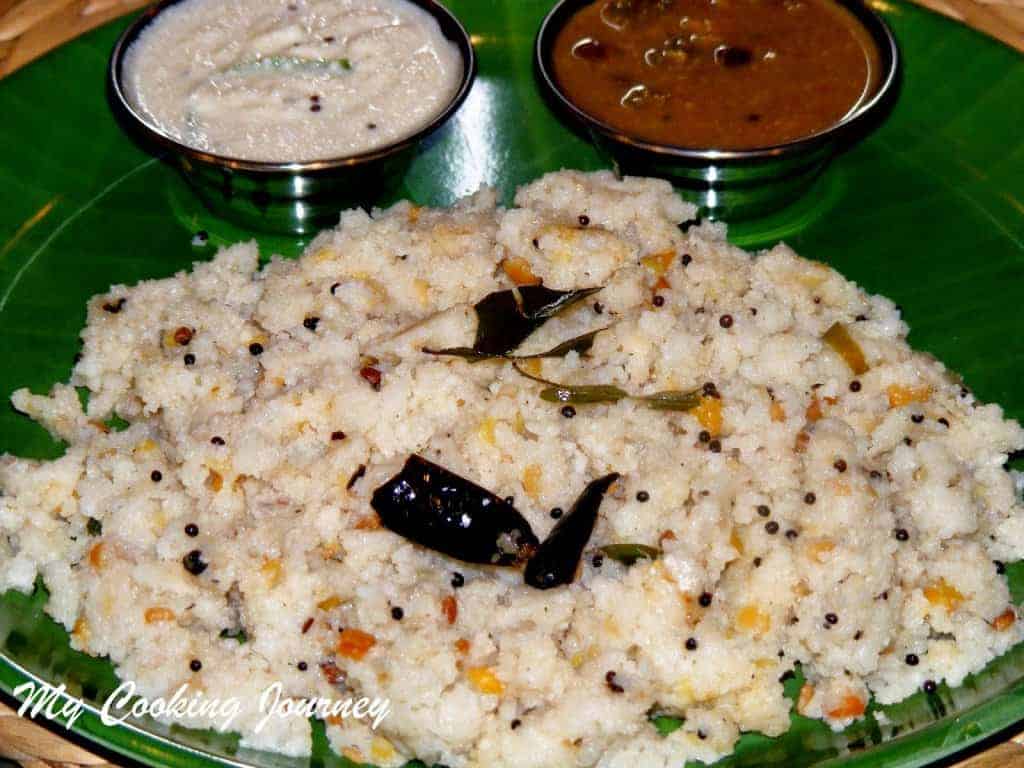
column 741, row 103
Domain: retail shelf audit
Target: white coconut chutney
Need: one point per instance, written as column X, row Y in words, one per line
column 291, row 81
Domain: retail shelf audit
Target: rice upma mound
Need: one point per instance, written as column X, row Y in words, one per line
column 833, row 498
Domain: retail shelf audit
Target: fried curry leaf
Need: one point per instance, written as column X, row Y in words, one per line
column 506, row 318
column 630, row 553
column 291, row 64
column 582, row 394
column 672, row 400
column 557, row 559
column 579, row 344
column 669, row 400
column 539, row 302
column 437, row 509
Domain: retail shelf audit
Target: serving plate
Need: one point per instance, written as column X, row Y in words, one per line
column 929, row 211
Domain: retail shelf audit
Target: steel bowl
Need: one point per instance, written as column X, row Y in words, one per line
column 293, row 198
column 728, row 184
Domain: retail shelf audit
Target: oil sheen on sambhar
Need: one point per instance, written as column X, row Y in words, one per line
column 723, row 74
